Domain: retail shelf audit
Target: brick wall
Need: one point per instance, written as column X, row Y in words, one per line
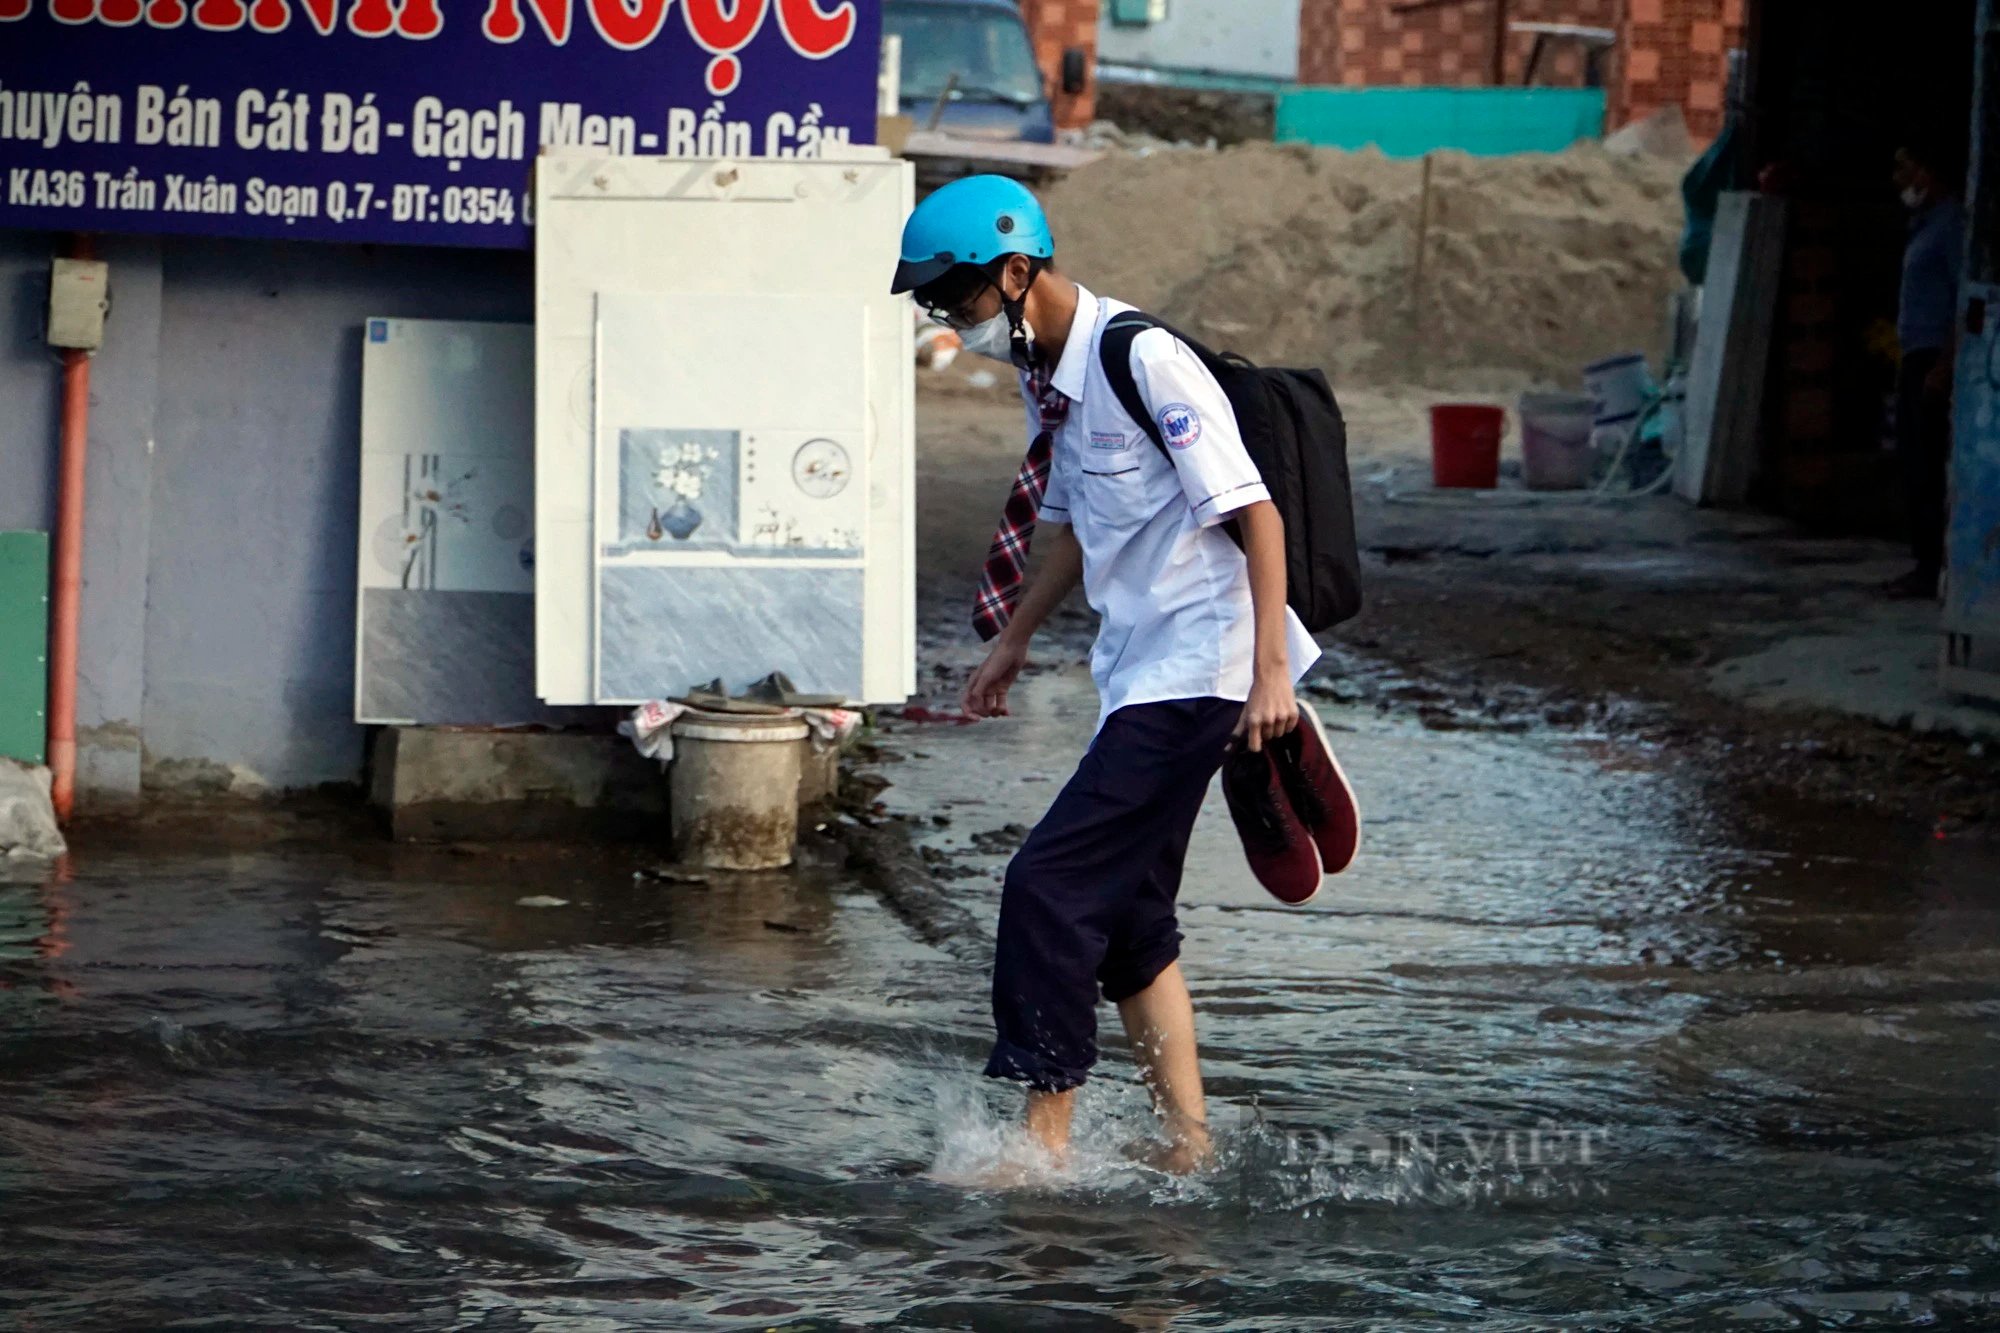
column 1365, row 43
column 1676, row 51
column 1056, row 25
column 1668, row 50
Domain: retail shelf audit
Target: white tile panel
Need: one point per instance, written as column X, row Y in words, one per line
column 720, row 233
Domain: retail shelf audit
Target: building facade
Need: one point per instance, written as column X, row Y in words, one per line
column 1665, row 51
column 1253, row 38
column 1056, row 26
column 260, row 187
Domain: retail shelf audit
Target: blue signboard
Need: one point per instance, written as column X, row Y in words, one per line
column 397, row 120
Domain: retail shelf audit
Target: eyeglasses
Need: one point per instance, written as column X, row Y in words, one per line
column 954, row 315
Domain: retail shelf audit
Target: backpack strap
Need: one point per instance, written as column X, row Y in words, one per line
column 1114, row 351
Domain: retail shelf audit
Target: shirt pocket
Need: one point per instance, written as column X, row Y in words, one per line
column 1120, row 490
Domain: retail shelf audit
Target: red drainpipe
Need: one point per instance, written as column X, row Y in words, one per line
column 67, row 594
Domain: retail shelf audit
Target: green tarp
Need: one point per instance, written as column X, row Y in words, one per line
column 1409, row 122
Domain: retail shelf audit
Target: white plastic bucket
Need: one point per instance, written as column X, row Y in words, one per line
column 1556, row 449
column 1618, row 386
column 735, row 789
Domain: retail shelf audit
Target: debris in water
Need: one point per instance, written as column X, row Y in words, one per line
column 919, row 713
column 672, row 875
column 1006, row 838
column 541, row 900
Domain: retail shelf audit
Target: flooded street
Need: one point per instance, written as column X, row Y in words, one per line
column 1570, row 1044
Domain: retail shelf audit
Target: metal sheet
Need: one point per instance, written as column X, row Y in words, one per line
column 24, row 645
column 1725, row 392
column 1972, row 544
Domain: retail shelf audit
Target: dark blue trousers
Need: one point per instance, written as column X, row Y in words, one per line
column 1089, row 898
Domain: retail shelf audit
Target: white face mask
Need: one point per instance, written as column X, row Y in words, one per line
column 994, row 338
column 1913, row 198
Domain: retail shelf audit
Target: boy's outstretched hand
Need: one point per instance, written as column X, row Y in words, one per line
column 986, row 692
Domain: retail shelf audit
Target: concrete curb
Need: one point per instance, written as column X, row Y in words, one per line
column 885, row 859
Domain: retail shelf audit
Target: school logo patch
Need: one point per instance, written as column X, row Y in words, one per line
column 1180, row 425
column 1109, row 439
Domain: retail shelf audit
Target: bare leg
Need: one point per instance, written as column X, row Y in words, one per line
column 1048, row 1121
column 1159, row 1020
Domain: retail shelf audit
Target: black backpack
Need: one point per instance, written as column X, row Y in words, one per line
column 1294, row 434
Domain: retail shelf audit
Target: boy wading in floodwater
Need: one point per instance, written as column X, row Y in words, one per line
column 1196, row 646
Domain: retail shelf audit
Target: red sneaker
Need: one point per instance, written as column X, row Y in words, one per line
column 1280, row 851
column 1318, row 790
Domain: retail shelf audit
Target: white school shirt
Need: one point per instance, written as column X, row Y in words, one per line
column 1171, row 589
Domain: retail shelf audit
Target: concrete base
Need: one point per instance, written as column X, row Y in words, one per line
column 496, row 785
column 1882, row 664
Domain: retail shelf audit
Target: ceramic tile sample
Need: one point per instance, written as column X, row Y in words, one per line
column 677, row 490
column 731, row 449
column 447, row 512
column 805, row 494
column 720, row 237
column 670, row 627
column 452, row 659
column 455, row 522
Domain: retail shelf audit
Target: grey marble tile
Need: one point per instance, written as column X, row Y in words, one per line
column 664, row 630
column 452, row 659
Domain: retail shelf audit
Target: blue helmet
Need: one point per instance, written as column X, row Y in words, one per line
column 971, row 221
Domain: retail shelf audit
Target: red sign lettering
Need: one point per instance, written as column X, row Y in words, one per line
column 419, row 19
column 723, row 34
column 720, row 27
column 812, row 34
column 220, row 15
column 371, row 18
column 719, row 32
column 625, row 28
column 503, row 20
column 411, row 18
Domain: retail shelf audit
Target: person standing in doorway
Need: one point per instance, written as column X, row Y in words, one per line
column 1196, row 652
column 1927, row 328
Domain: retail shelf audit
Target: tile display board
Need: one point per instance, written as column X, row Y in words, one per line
column 732, row 509
column 724, row 474
column 445, row 615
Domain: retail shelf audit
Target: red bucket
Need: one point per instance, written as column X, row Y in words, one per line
column 1465, row 445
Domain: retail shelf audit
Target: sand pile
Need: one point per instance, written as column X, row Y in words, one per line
column 1535, row 264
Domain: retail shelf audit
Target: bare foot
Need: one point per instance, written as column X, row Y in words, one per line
column 1000, row 1176
column 1021, row 1164
column 1184, row 1148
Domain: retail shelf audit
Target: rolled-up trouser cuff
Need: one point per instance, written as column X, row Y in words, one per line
column 1088, row 902
column 1025, row 1066
column 1133, row 975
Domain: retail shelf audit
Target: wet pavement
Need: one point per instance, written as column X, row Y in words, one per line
column 1575, row 1044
